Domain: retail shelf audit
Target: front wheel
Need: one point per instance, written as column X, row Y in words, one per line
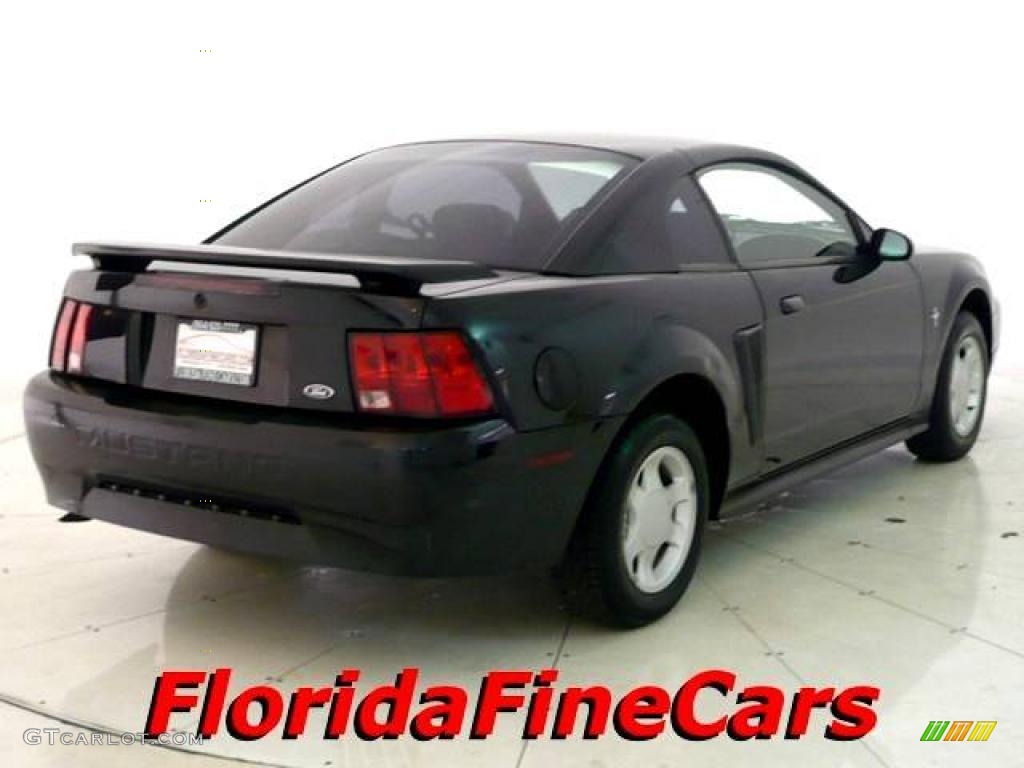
column 642, row 530
column 959, row 400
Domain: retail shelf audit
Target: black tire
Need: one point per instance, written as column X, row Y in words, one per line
column 942, row 441
column 596, row 571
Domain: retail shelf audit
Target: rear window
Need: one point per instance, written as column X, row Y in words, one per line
column 504, row 204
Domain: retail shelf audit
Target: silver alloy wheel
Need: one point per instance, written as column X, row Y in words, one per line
column 966, row 385
column 660, row 519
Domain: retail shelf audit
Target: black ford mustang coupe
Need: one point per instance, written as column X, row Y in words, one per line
column 467, row 356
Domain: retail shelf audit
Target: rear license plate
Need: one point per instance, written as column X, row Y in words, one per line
column 216, row 351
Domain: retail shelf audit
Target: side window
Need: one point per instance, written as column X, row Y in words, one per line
column 772, row 216
column 665, row 228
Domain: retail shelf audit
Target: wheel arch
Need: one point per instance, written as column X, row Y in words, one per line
column 977, row 302
column 694, row 399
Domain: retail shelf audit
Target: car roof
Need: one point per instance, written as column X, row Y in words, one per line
column 698, row 152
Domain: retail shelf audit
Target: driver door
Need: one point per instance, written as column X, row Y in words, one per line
column 842, row 336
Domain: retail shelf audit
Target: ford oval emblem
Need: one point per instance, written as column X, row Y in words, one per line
column 318, row 391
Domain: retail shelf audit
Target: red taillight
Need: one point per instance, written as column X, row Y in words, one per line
column 59, row 347
column 79, row 337
column 370, row 372
column 417, row 374
column 457, row 380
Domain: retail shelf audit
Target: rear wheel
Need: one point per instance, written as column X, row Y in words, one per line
column 641, row 533
column 958, row 404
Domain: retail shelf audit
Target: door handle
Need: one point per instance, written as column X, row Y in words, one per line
column 791, row 304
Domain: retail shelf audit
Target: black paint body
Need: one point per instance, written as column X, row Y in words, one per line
column 571, row 355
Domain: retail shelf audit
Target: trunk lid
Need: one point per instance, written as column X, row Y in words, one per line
column 299, row 308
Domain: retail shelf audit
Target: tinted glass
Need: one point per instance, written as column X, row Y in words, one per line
column 665, row 228
column 568, row 186
column 500, row 203
column 772, row 216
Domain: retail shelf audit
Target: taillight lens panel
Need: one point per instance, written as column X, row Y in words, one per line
column 421, row 374
column 67, row 350
column 62, row 334
column 369, row 365
column 458, row 382
column 79, row 338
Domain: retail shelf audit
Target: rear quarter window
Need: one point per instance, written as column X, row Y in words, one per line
column 666, row 228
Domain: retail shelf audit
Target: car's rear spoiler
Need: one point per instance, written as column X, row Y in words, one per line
column 392, row 274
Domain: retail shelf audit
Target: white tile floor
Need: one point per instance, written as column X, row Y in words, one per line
column 903, row 575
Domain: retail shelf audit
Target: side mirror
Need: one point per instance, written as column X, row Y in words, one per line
column 890, row 245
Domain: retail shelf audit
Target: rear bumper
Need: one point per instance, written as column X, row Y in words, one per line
column 471, row 498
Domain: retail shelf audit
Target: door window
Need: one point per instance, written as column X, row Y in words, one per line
column 771, row 216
